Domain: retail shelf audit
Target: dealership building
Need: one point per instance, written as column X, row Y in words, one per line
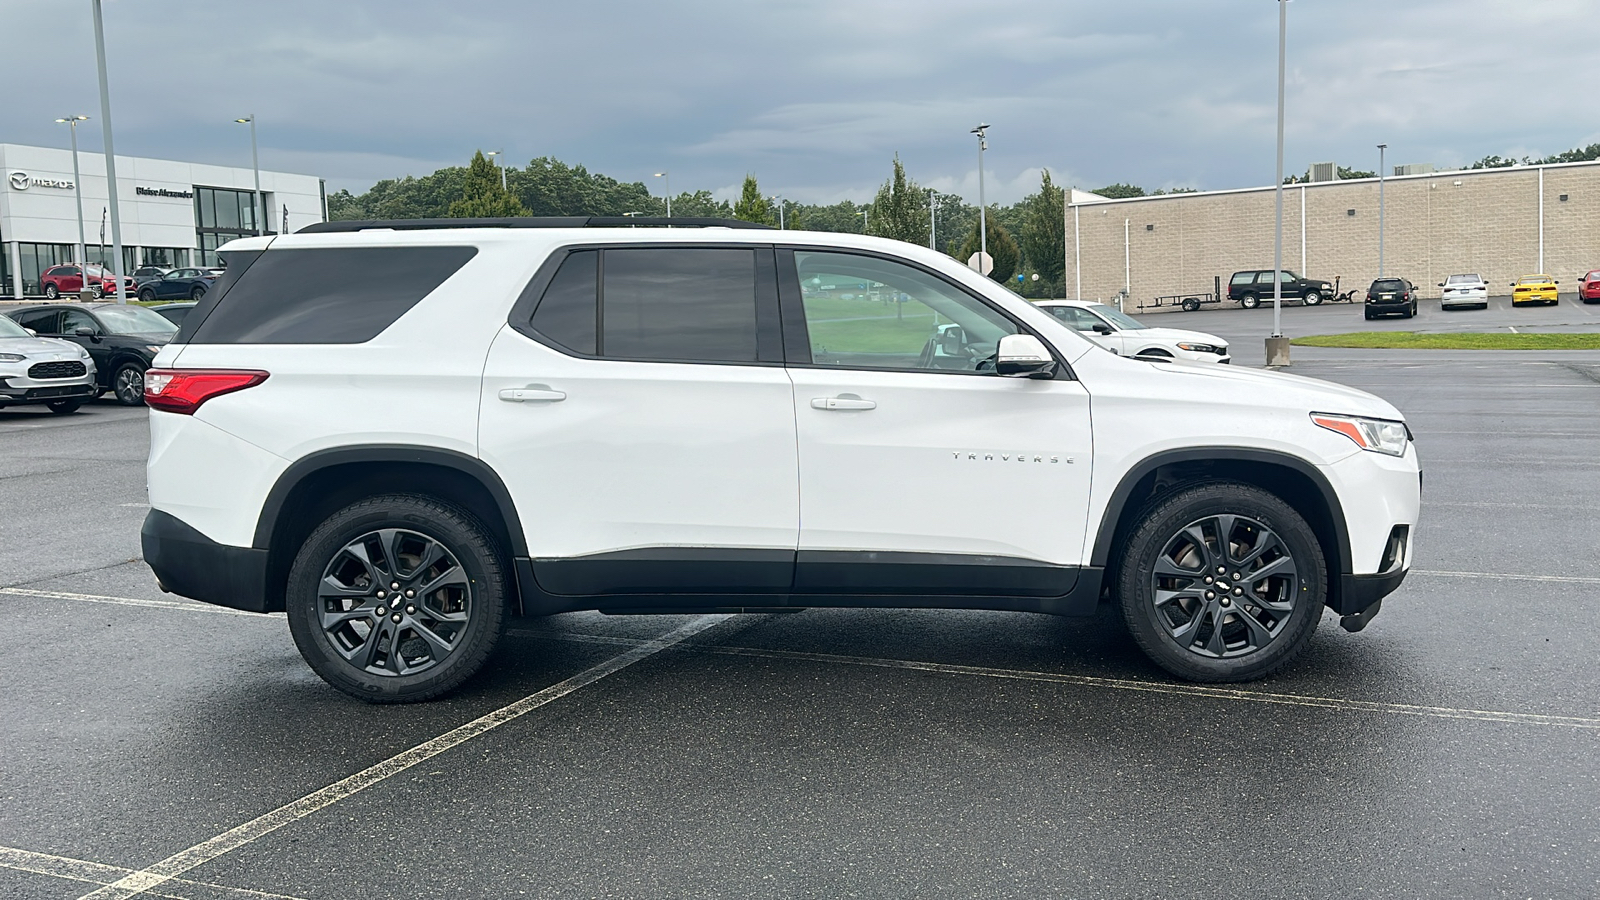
column 1498, row 223
column 173, row 213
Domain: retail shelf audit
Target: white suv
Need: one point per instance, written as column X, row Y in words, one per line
column 403, row 432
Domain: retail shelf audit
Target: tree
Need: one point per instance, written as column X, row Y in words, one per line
column 900, row 210
column 843, row 217
column 699, row 204
column 482, row 195
column 1120, row 191
column 1044, row 232
column 550, row 187
column 752, row 207
column 1002, row 248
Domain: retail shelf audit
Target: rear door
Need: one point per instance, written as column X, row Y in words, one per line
column 639, row 411
column 922, row 472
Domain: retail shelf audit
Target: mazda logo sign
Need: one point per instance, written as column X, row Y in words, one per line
column 20, row 181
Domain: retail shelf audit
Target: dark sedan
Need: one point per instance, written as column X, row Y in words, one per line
column 122, row 340
column 178, row 284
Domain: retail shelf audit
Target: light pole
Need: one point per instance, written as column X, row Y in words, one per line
column 933, row 225
column 666, row 185
column 779, row 200
column 255, row 199
column 1278, row 345
column 864, row 218
column 982, row 131
column 111, row 154
column 503, row 185
column 1381, row 148
column 77, row 187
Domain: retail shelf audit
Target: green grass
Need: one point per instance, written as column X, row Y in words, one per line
column 864, row 326
column 1411, row 340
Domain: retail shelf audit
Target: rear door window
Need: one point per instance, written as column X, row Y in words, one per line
column 42, row 321
column 336, row 295
column 1243, row 278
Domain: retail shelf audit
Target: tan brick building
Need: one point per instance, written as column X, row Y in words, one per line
column 1488, row 221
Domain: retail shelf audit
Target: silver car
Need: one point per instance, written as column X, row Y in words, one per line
column 58, row 374
column 1464, row 290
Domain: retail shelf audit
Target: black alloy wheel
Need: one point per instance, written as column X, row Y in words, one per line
column 397, row 598
column 1249, row 301
column 64, row 407
column 51, row 292
column 197, row 292
column 147, row 295
column 1222, row 582
column 1190, row 304
column 128, row 384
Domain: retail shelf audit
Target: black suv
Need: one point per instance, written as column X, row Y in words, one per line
column 1391, row 296
column 122, row 339
column 1253, row 287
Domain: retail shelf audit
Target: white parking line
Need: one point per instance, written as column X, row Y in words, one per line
column 99, row 873
column 1124, row 684
column 164, row 871
column 130, row 601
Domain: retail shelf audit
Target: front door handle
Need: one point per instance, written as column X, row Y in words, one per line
column 842, row 403
column 536, row 392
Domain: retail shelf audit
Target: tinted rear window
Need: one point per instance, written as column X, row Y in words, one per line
column 566, row 312
column 327, row 296
column 682, row 304
column 1388, row 284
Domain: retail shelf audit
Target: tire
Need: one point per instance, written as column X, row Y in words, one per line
column 1368, row 314
column 128, row 384
column 1312, row 298
column 197, row 292
column 99, row 293
column 64, row 407
column 1190, row 304
column 1249, row 628
column 147, row 295
column 344, row 637
column 51, row 292
column 1249, row 301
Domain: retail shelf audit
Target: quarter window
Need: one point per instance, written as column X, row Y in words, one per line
column 865, row 312
column 567, row 312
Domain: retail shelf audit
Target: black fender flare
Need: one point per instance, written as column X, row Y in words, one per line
column 1341, row 560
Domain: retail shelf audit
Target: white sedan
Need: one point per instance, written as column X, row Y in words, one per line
column 1463, row 290
column 1120, row 333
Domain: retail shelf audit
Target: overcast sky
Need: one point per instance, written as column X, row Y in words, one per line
column 812, row 96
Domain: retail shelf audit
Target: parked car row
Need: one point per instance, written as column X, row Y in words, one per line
column 119, row 341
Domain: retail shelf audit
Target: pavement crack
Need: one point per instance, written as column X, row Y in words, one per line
column 124, row 562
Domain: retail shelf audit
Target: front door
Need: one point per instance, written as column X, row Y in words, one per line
column 921, row 470
column 644, row 424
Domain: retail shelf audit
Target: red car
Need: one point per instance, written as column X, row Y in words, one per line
column 58, row 280
column 1589, row 287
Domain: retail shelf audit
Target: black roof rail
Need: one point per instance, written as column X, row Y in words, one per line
column 527, row 222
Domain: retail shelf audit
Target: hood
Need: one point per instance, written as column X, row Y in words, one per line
column 1281, row 388
column 37, row 348
column 1179, row 334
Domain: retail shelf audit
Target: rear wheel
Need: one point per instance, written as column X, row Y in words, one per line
column 1222, row 582
column 64, row 407
column 1367, row 313
column 397, row 598
column 1249, row 301
column 1312, row 298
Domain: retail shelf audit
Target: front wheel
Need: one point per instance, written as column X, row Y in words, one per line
column 1249, row 301
column 1222, row 582
column 64, row 407
column 1312, row 298
column 197, row 293
column 51, row 292
column 128, row 384
column 397, row 598
column 147, row 295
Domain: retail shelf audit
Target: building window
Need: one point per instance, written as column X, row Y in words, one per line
column 35, row 258
column 166, row 257
column 1349, row 212
column 1563, row 198
column 221, row 215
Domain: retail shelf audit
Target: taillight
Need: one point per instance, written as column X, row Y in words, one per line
column 182, row 391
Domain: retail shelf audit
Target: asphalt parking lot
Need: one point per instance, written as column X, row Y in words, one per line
column 1448, row 750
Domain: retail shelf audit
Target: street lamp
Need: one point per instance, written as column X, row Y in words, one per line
column 111, row 154
column 503, row 186
column 77, row 187
column 1381, row 148
column 255, row 164
column 666, row 185
column 1278, row 345
column 864, row 217
column 982, row 131
column 778, row 200
column 933, row 226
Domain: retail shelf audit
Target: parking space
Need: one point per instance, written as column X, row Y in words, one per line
column 160, row 744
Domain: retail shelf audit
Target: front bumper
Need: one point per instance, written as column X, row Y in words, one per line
column 22, row 389
column 189, row 564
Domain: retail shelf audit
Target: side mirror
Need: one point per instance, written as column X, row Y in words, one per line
column 83, row 332
column 1023, row 356
column 1102, row 328
column 1441, row 284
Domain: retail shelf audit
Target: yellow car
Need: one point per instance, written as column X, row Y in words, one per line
column 1534, row 289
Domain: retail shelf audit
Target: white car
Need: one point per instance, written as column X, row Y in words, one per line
column 527, row 416
column 36, row 370
column 1463, row 290
column 1122, row 334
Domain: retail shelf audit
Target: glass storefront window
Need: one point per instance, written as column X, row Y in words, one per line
column 221, row 215
column 35, row 258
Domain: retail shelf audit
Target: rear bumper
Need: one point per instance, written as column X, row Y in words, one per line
column 189, row 564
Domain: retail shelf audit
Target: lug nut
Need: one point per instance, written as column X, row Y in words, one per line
column 1226, row 602
column 395, row 618
column 383, row 610
column 1209, row 579
column 1221, row 570
column 395, row 585
column 410, row 594
column 411, row 610
column 381, row 595
column 1211, row 595
column 1238, row 575
column 1238, row 592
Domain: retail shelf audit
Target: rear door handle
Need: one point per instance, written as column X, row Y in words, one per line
column 534, row 393
column 842, row 403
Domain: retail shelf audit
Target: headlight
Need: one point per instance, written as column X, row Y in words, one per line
column 12, row 357
column 1377, row 435
column 1326, row 286
column 82, row 353
column 153, row 348
column 1201, row 348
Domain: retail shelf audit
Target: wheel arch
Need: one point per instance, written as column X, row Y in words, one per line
column 1292, row 479
column 318, row 484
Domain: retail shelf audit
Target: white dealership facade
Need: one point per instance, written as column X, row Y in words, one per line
column 173, row 213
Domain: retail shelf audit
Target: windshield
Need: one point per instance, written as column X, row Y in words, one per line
column 11, row 329
column 1464, row 279
column 134, row 320
column 1120, row 320
column 1388, row 284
